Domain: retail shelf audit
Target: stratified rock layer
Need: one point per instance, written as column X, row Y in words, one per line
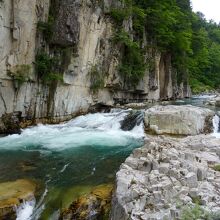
column 159, row 179
column 179, row 120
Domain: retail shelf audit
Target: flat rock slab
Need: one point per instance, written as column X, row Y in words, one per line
column 179, row 120
column 13, row 194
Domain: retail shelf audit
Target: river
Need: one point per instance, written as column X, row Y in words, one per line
column 68, row 159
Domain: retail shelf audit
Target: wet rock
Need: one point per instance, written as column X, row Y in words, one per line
column 13, row 194
column 217, row 102
column 131, row 120
column 10, row 123
column 100, row 107
column 179, row 120
column 95, row 205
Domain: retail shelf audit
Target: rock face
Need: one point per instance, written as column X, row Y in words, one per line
column 159, row 179
column 82, row 31
column 179, row 120
column 12, row 194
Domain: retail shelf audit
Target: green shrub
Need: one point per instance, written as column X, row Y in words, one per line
column 97, row 79
column 197, row 212
column 46, row 68
column 192, row 213
column 198, row 86
column 52, row 77
column 120, row 14
column 46, row 28
column 217, row 167
column 44, row 64
column 133, row 66
column 197, row 200
column 20, row 74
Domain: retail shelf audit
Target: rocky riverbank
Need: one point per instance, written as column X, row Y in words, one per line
column 169, row 176
column 165, row 175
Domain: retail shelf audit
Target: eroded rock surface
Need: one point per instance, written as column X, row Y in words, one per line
column 159, row 179
column 13, row 194
column 95, row 205
column 179, row 120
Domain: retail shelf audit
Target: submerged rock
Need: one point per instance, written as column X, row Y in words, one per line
column 95, row 205
column 13, row 194
column 179, row 120
column 10, row 123
column 158, row 180
column 131, row 120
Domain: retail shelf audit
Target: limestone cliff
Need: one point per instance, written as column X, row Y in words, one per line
column 81, row 38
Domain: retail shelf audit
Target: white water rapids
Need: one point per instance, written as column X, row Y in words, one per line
column 216, row 121
column 99, row 130
column 92, row 129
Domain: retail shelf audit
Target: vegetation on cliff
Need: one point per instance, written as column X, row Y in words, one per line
column 171, row 27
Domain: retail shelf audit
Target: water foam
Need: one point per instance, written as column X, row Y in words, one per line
column 25, row 210
column 216, row 121
column 91, row 129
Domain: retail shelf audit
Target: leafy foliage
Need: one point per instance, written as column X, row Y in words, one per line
column 46, row 28
column 97, row 80
column 217, row 167
column 132, row 66
column 20, row 74
column 171, row 26
column 45, row 67
column 197, row 212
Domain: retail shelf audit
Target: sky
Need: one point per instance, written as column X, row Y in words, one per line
column 210, row 8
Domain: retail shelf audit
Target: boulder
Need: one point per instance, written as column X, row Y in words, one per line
column 217, row 102
column 179, row 120
column 131, row 120
column 10, row 123
column 13, row 194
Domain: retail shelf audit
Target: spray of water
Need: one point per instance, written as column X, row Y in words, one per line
column 216, row 121
column 25, row 210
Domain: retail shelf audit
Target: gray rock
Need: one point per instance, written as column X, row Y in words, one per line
column 179, row 120
column 191, row 180
column 165, row 190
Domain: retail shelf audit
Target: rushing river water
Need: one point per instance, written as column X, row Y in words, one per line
column 67, row 159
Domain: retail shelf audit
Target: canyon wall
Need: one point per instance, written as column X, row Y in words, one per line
column 84, row 30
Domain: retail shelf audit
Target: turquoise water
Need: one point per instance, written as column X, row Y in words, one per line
column 197, row 101
column 68, row 159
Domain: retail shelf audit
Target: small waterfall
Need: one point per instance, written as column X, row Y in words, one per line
column 216, row 121
column 25, row 210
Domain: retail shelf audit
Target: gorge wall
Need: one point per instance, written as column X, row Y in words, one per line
column 87, row 61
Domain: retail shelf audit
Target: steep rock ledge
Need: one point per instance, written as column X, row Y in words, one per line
column 82, row 31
